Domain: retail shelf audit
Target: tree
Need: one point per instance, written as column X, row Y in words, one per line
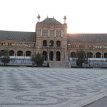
column 37, row 59
column 81, row 58
column 5, row 59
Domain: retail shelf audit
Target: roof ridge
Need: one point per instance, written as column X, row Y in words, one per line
column 50, row 21
column 15, row 31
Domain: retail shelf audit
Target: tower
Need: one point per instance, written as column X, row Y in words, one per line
column 51, row 39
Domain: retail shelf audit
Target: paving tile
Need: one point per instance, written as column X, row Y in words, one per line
column 50, row 87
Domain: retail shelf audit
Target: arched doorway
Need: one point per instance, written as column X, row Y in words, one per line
column 11, row 53
column 44, row 55
column 105, row 55
column 73, row 55
column 51, row 55
column 58, row 56
column 98, row 55
column 28, row 53
column 89, row 55
column 19, row 53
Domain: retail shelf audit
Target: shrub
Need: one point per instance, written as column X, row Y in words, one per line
column 81, row 58
column 37, row 59
column 5, row 57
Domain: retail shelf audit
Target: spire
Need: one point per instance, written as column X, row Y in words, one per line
column 65, row 19
column 38, row 17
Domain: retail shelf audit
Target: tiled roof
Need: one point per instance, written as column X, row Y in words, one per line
column 92, row 38
column 50, row 21
column 17, row 36
column 31, row 37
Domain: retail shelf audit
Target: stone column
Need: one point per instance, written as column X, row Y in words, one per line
column 102, row 55
column 54, row 56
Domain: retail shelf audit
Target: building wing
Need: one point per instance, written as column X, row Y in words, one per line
column 17, row 36
column 87, row 38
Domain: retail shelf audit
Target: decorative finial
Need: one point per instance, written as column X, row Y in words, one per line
column 65, row 19
column 47, row 16
column 38, row 18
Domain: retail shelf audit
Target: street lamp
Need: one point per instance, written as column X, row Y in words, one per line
column 48, row 55
column 68, row 45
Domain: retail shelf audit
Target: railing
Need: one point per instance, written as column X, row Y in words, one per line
column 92, row 62
column 19, row 60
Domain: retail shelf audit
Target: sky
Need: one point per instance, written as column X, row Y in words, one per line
column 83, row 16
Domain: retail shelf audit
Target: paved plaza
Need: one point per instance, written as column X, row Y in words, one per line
column 51, row 87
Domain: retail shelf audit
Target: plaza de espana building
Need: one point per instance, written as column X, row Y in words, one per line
column 54, row 43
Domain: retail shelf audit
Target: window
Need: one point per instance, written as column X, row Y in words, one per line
column 2, row 43
column 9, row 44
column 51, row 43
column 58, row 43
column 105, row 55
column 19, row 53
column 44, row 43
column 58, row 33
column 51, row 33
column 11, row 53
column 98, row 55
column 45, row 55
column 51, row 54
column 38, row 32
column 45, row 33
column 58, row 56
column 28, row 53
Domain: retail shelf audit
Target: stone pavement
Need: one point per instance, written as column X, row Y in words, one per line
column 50, row 87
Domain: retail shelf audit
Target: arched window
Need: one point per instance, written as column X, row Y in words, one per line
column 51, row 43
column 105, row 55
column 98, row 55
column 73, row 55
column 58, row 56
column 58, row 43
column 45, row 55
column 28, row 53
column 44, row 43
column 19, row 53
column 1, row 52
column 90, row 55
column 11, row 53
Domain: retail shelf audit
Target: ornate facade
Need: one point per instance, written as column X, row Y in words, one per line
column 52, row 40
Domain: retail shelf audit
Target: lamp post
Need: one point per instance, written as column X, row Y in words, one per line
column 68, row 53
column 68, row 45
column 48, row 55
